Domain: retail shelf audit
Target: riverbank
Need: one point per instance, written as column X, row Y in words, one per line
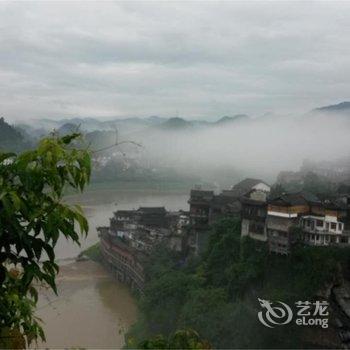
column 92, row 310
column 92, row 253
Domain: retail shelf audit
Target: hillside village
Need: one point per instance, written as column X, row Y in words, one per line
column 278, row 220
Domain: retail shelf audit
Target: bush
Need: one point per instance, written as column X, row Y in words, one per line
column 93, row 253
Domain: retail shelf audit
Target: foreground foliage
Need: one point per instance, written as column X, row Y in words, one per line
column 181, row 339
column 217, row 295
column 32, row 218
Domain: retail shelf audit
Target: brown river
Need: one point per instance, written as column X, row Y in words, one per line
column 92, row 310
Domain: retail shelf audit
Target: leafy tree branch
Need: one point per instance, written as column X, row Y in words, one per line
column 32, row 218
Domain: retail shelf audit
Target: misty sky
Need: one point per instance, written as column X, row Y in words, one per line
column 199, row 59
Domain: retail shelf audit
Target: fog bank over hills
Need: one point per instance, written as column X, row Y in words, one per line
column 236, row 145
column 97, row 123
column 259, row 147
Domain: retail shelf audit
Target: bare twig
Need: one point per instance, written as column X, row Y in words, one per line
column 116, row 145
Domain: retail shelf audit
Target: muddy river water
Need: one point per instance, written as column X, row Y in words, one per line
column 92, row 310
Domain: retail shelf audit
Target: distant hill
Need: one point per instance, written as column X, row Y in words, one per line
column 68, row 128
column 12, row 139
column 175, row 124
column 154, row 119
column 124, row 125
column 340, row 108
column 235, row 118
column 100, row 138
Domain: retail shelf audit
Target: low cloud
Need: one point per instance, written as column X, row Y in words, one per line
column 143, row 58
column 260, row 148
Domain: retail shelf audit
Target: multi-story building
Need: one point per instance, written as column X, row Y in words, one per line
column 254, row 212
column 343, row 200
column 152, row 217
column 206, row 207
column 224, row 205
column 179, row 223
column 302, row 216
column 248, row 185
column 121, row 259
column 283, row 213
column 131, row 236
column 325, row 225
column 280, row 222
column 200, row 202
column 123, row 223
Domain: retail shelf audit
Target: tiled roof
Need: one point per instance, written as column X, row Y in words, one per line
column 298, row 198
column 125, row 213
column 152, row 210
column 245, row 186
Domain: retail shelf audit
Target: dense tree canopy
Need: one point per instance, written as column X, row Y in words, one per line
column 217, row 294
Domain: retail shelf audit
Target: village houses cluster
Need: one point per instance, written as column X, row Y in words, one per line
column 279, row 221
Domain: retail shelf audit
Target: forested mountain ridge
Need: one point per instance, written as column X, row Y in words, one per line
column 342, row 108
column 11, row 138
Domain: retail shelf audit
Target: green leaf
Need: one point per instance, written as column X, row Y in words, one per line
column 15, row 200
column 50, row 252
column 37, row 245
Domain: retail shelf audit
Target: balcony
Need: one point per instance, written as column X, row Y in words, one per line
column 321, row 231
column 327, row 239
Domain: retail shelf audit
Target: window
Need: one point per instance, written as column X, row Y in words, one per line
column 344, row 239
column 333, row 226
column 319, row 223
